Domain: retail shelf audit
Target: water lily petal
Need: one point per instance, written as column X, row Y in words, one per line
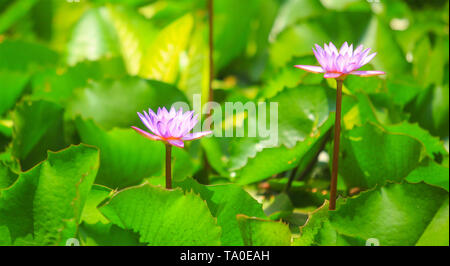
column 367, row 59
column 145, row 120
column 358, row 49
column 176, row 142
column 313, row 69
column 350, row 50
column 170, row 125
column 319, row 58
column 326, row 49
column 196, row 135
column 332, row 75
column 333, row 48
column 336, row 63
column 343, row 49
column 151, row 118
column 146, row 134
column 367, row 73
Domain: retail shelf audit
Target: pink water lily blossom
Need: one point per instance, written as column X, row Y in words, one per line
column 171, row 127
column 338, row 64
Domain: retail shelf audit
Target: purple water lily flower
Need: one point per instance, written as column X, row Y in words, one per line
column 171, row 127
column 338, row 64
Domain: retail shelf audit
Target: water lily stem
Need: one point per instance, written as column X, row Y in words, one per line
column 168, row 166
column 337, row 134
column 211, row 48
column 210, row 80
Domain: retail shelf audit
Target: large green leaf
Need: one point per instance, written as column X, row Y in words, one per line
column 5, row 237
column 164, row 12
column 38, row 127
column 107, row 235
column 161, row 60
column 436, row 233
column 302, row 120
column 431, row 110
column 232, row 26
column 163, row 217
column 429, row 61
column 90, row 214
column 318, row 231
column 195, row 76
column 12, row 86
column 127, row 157
column 380, row 39
column 47, row 200
column 433, row 145
column 342, row 5
column 297, row 40
column 225, row 202
column 292, row 11
column 96, row 230
column 372, row 85
column 135, row 36
column 431, row 173
column 370, row 155
column 93, row 37
column 133, row 3
column 259, row 232
column 403, row 90
column 58, row 85
column 113, row 102
column 396, row 214
column 21, row 56
column 15, row 12
column 7, row 176
column 290, row 77
column 147, row 53
column 263, row 165
column 360, row 111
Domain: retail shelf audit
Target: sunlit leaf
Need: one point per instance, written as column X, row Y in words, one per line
column 160, row 61
column 93, row 37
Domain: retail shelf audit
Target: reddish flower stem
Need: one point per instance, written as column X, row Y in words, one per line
column 211, row 78
column 211, row 47
column 337, row 134
column 168, row 166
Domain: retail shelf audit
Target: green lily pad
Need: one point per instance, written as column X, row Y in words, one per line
column 370, row 156
column 225, row 202
column 163, row 217
column 114, row 103
column 259, row 232
column 38, row 127
column 393, row 215
column 47, row 200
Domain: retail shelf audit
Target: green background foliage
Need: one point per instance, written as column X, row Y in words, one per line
column 74, row 74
